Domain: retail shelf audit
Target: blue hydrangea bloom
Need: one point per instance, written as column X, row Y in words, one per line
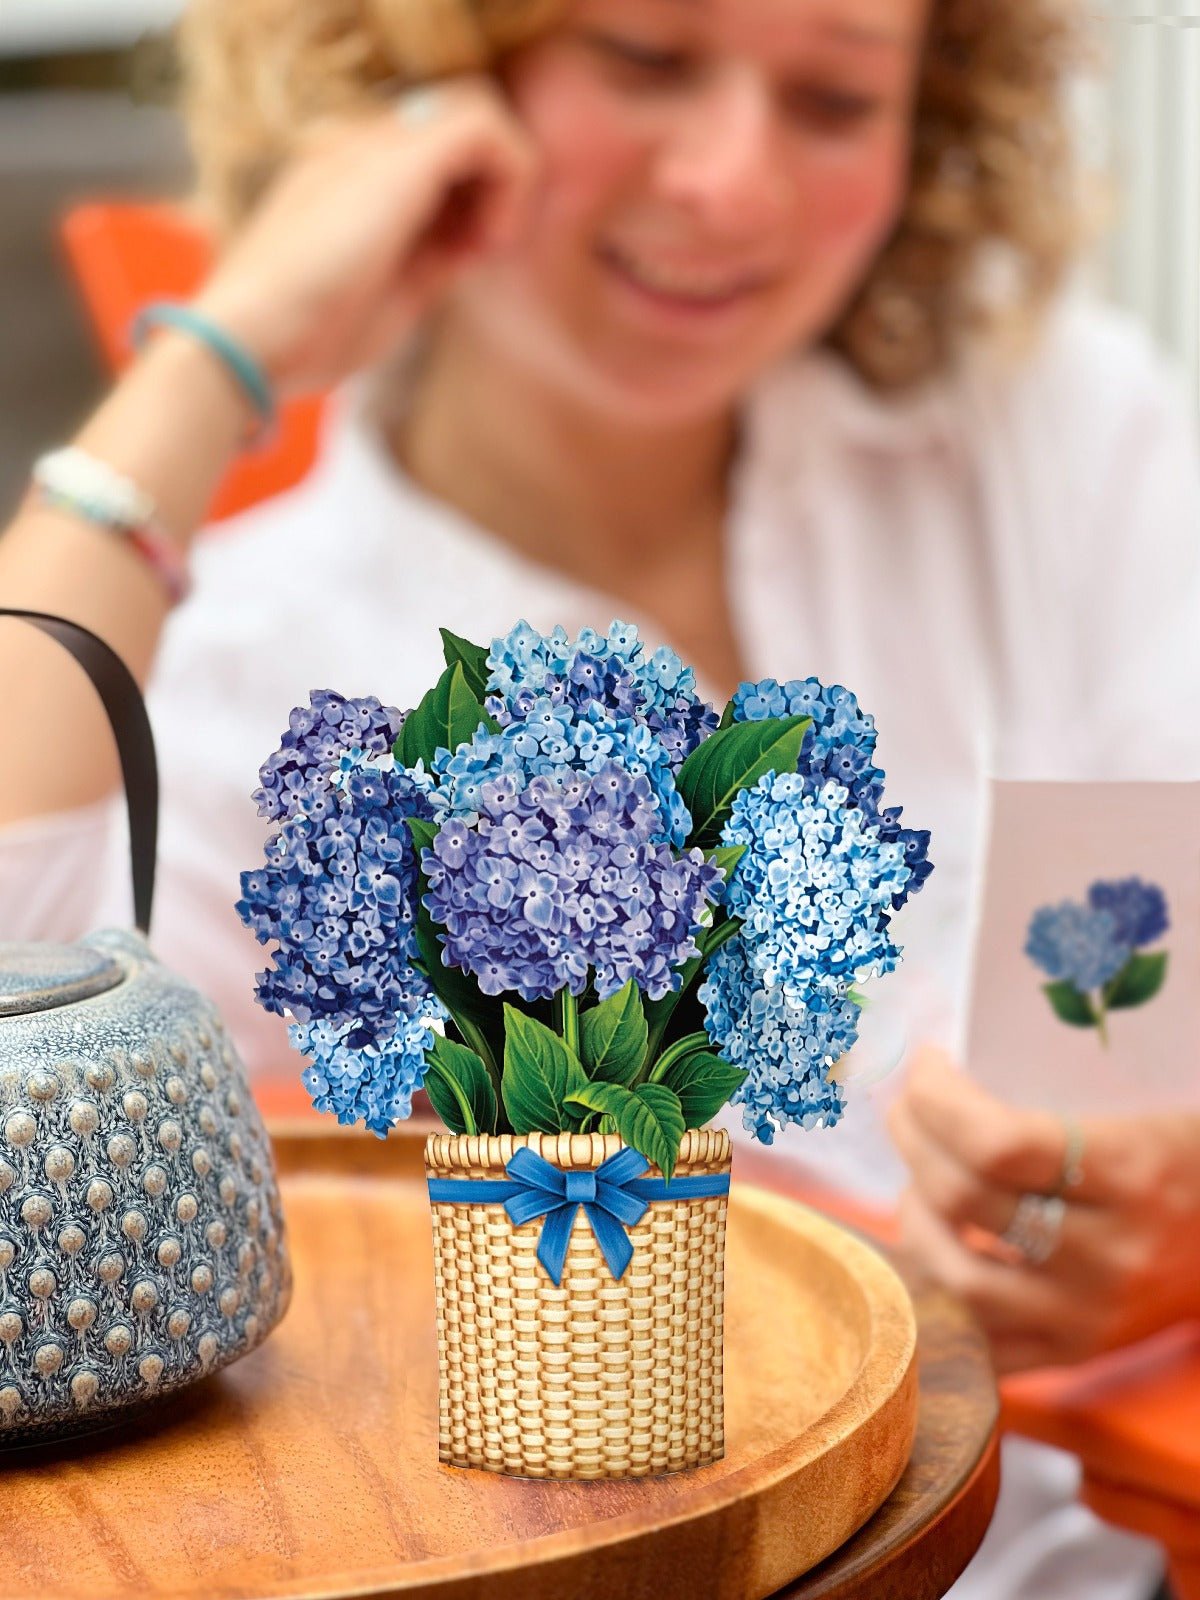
column 839, row 747
column 370, row 1082
column 815, row 884
column 1077, row 944
column 786, row 1043
column 1138, row 909
column 559, row 741
column 337, row 896
column 560, row 875
column 319, row 735
column 814, row 890
column 610, row 670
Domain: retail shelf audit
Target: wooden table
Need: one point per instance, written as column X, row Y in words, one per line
column 926, row 1532
column 1132, row 1417
column 338, row 1506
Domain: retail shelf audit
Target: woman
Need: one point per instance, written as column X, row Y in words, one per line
column 670, row 318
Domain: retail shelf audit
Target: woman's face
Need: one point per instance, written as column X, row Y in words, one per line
column 717, row 177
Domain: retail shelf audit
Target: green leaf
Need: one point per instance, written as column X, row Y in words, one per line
column 1139, row 980
column 457, row 990
column 539, row 1075
column 727, row 856
column 659, row 1013
column 449, row 715
column 703, row 1083
column 423, row 833
column 471, row 657
column 459, row 1087
column 648, row 1118
column 612, row 1037
column 1070, row 1004
column 726, row 716
column 730, row 760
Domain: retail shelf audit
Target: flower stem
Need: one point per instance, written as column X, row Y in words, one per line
column 682, row 1047
column 569, row 1015
column 1101, row 1018
column 721, row 934
column 455, row 1089
column 473, row 1035
column 709, row 940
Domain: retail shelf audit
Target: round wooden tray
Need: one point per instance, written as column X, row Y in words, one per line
column 310, row 1468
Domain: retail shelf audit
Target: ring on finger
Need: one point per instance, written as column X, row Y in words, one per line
column 418, row 106
column 1036, row 1227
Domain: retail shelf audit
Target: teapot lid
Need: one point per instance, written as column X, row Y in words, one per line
column 41, row 977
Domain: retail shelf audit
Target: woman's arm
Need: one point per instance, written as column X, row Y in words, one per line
column 171, row 426
column 359, row 236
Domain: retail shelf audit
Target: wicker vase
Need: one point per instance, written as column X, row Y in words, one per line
column 595, row 1378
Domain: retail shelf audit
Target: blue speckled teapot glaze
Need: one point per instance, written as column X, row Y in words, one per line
column 141, row 1233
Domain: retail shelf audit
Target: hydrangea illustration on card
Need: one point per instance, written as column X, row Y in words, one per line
column 583, row 913
column 1095, row 955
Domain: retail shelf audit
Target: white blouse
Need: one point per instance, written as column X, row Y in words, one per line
column 1004, row 567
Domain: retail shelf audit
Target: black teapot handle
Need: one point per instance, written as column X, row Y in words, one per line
column 126, row 710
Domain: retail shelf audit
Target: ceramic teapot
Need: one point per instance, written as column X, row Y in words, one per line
column 142, row 1242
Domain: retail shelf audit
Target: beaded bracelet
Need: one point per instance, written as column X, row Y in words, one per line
column 73, row 481
column 234, row 357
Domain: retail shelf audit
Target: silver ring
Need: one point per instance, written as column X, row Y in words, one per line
column 418, row 106
column 1036, row 1227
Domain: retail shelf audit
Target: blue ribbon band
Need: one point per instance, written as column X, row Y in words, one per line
column 614, row 1197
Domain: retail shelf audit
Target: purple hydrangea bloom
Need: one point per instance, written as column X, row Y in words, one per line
column 813, row 890
column 557, row 876
column 1077, row 944
column 610, row 670
column 839, row 747
column 559, row 741
column 337, row 895
column 1138, row 909
column 318, row 736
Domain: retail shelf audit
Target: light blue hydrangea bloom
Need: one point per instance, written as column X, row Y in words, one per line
column 363, row 1079
column 1076, row 944
column 611, row 669
column 814, row 891
column 786, row 1043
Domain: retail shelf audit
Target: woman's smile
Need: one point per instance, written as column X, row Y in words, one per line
column 684, row 290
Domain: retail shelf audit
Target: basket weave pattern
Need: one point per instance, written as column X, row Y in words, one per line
column 596, row 1378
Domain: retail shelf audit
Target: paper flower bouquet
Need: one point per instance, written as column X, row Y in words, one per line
column 583, row 913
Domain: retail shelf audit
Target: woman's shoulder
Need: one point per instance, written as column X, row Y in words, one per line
column 1086, row 374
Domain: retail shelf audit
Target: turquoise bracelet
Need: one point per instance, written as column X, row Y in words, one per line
column 241, row 365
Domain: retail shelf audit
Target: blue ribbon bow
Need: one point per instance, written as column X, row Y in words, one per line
column 614, row 1197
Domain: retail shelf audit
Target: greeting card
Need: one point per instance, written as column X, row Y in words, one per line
column 1085, row 993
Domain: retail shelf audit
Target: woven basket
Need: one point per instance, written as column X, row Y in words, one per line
column 595, row 1378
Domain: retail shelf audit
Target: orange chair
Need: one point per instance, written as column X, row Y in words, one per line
column 124, row 254
column 1134, row 1418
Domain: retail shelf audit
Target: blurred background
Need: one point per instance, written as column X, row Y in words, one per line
column 85, row 93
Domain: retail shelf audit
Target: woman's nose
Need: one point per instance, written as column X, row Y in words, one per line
column 720, row 157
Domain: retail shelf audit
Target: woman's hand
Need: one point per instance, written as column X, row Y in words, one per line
column 1128, row 1259
column 367, row 227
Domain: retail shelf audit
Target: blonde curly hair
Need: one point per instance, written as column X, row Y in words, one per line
column 992, row 196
